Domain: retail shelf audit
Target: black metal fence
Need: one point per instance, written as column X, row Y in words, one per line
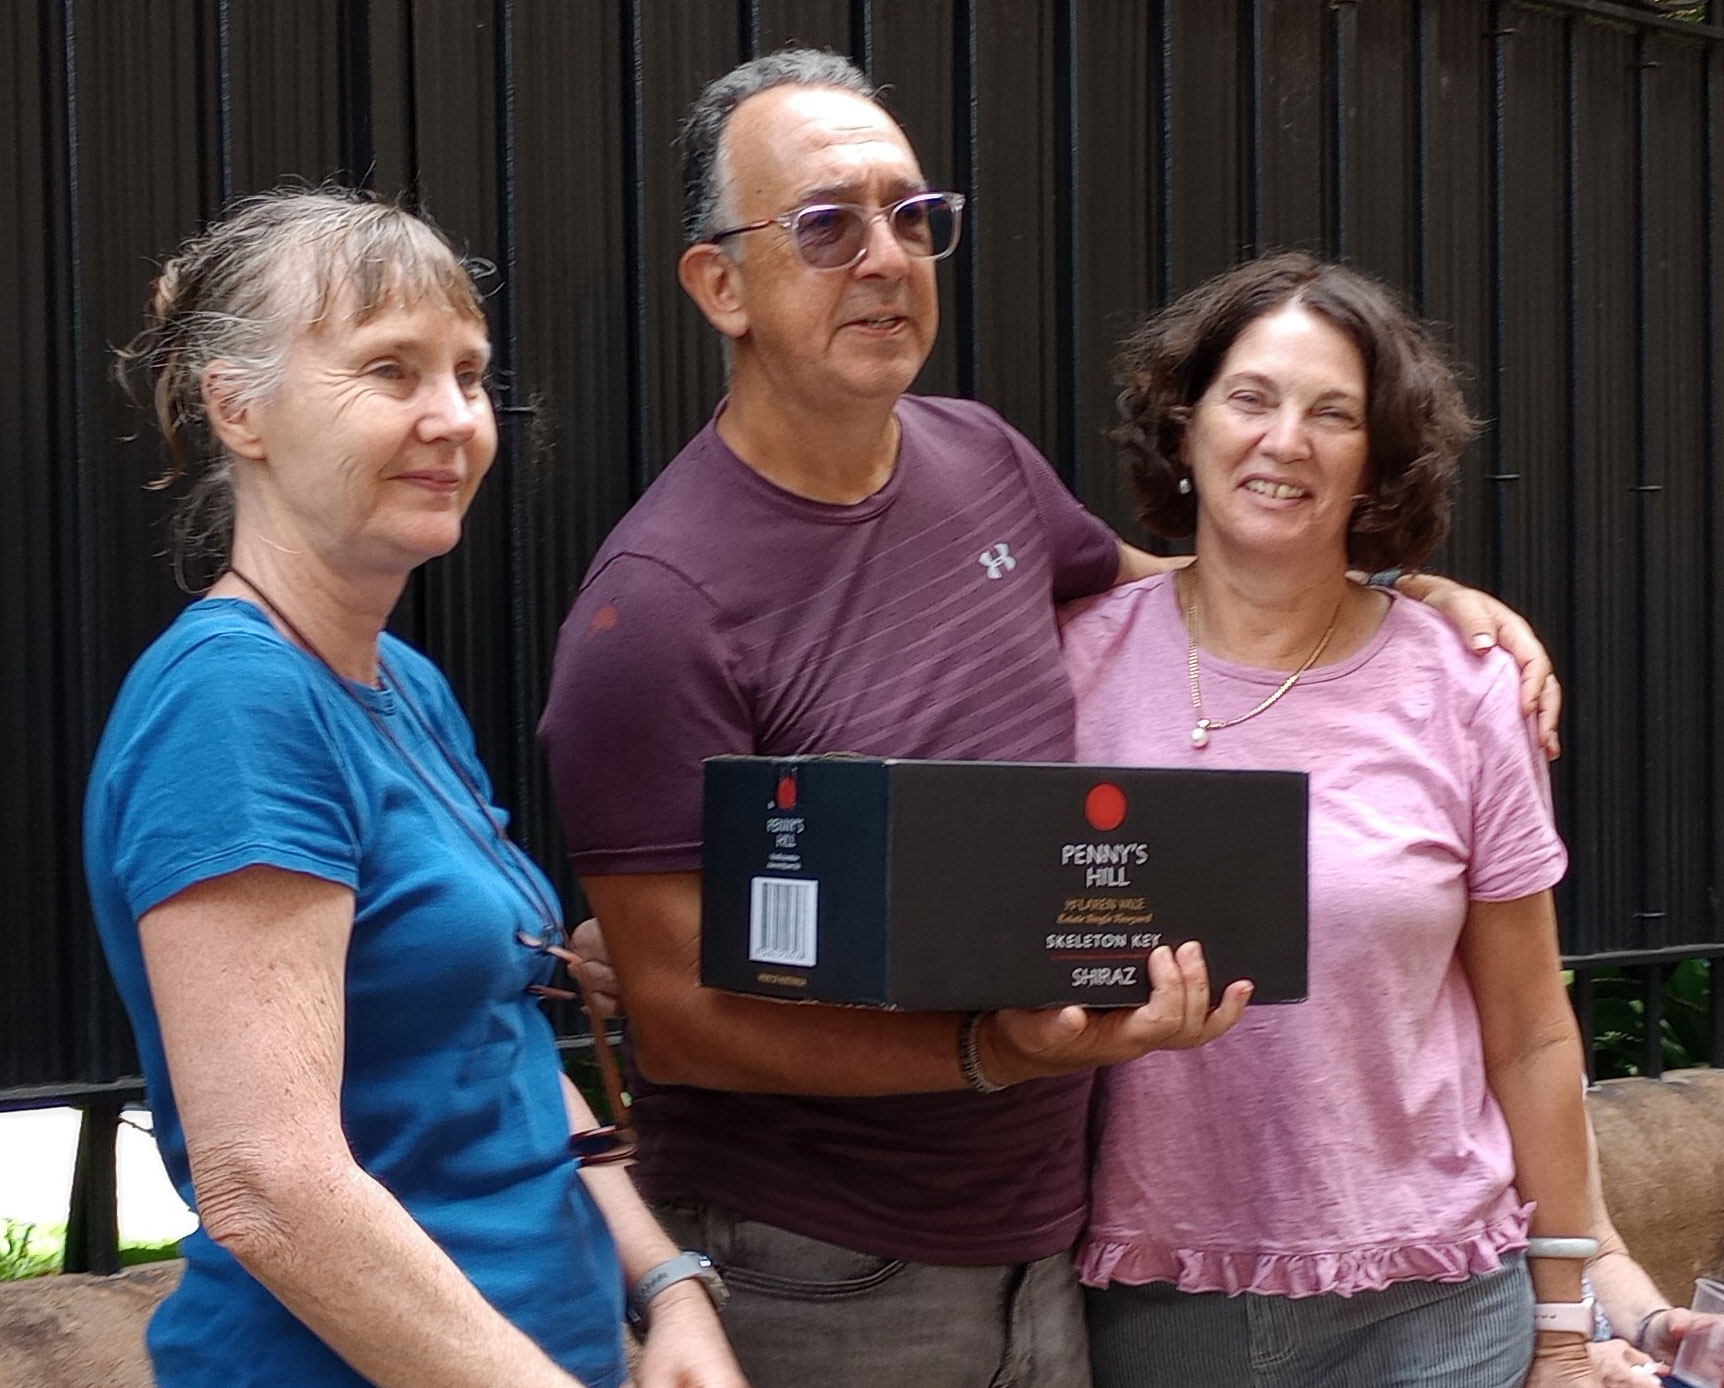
column 1543, row 178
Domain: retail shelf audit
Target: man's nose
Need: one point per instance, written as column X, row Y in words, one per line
column 882, row 252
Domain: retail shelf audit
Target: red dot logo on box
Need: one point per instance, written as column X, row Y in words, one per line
column 786, row 796
column 1104, row 806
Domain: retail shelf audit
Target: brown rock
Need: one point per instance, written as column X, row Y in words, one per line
column 81, row 1332
column 1661, row 1154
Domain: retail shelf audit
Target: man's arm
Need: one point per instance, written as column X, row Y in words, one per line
column 1487, row 623
column 1135, row 563
column 1482, row 619
column 686, row 1034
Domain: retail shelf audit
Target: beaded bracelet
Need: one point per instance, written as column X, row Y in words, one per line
column 970, row 1056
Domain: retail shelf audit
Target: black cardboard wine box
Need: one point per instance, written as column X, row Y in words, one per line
column 951, row 886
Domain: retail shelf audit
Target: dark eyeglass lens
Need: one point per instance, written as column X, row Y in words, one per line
column 829, row 236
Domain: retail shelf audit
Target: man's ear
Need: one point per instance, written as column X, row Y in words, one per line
column 712, row 279
column 230, row 419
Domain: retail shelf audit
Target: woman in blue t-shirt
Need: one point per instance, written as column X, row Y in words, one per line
column 322, row 932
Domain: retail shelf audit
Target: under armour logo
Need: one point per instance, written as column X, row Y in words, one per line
column 997, row 561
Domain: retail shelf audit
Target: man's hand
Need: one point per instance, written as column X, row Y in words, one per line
column 598, row 977
column 1027, row 1044
column 1487, row 623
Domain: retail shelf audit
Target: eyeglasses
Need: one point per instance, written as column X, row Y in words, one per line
column 834, row 235
column 614, row 1142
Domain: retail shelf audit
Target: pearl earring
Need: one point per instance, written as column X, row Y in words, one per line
column 1184, row 485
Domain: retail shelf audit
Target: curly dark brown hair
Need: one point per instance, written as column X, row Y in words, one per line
column 1416, row 422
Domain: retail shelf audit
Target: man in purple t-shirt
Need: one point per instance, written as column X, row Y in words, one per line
column 834, row 565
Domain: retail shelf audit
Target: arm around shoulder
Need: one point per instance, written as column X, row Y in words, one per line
column 1487, row 623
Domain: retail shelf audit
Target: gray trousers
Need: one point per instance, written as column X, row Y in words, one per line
column 807, row 1314
column 1472, row 1334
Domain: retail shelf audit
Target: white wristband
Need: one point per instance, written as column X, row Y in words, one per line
column 1580, row 1249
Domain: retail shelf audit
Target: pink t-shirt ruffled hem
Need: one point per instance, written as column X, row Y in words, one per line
column 1102, row 1260
column 1350, row 1141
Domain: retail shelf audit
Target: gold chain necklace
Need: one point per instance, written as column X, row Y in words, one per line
column 1205, row 726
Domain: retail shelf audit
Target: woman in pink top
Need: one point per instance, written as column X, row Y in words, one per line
column 1338, row 1192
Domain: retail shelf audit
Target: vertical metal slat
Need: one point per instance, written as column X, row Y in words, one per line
column 1164, row 163
column 1645, row 498
column 634, row 253
column 1251, row 126
column 862, row 35
column 516, row 417
column 1421, row 287
column 967, row 148
column 1499, row 379
column 1343, row 21
column 1067, row 171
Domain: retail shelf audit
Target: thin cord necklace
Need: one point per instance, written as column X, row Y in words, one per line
column 1200, row 733
column 512, row 868
column 600, row 1146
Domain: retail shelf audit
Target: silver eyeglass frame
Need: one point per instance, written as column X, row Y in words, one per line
column 788, row 220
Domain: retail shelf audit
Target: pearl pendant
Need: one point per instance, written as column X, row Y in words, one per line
column 1200, row 734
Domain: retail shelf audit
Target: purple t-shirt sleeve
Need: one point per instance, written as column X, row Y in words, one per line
column 1516, row 849
column 641, row 691
column 1083, row 547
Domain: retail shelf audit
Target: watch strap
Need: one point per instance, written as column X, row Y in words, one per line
column 687, row 1265
column 1564, row 1315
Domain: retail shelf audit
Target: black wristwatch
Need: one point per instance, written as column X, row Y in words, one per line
column 686, row 1266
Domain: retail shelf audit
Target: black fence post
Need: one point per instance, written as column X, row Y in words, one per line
column 93, row 1223
column 1715, row 1010
column 1652, row 980
column 1580, row 996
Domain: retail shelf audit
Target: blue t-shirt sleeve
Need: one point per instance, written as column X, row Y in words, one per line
column 228, row 762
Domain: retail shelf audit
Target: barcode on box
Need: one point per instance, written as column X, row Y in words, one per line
column 782, row 921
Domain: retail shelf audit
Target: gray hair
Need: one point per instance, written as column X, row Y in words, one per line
column 271, row 265
column 705, row 159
